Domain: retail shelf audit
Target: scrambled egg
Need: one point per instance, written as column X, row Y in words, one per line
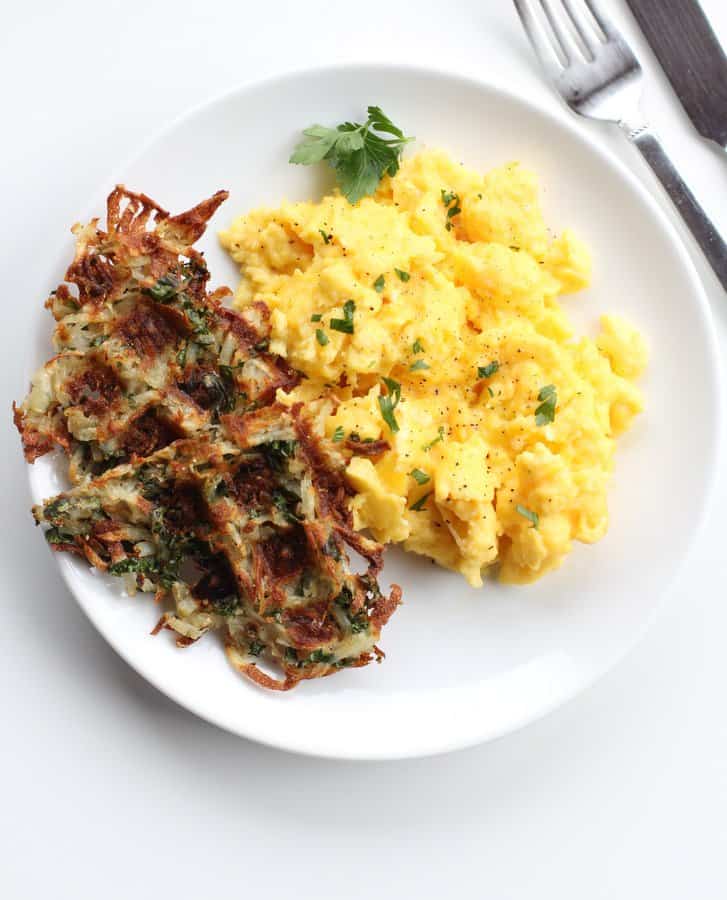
column 454, row 281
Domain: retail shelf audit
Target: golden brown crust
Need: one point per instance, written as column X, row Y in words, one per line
column 136, row 227
column 385, row 606
column 148, row 329
column 35, row 444
column 370, row 449
column 254, row 673
column 188, row 227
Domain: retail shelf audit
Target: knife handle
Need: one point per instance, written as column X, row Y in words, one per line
column 696, row 219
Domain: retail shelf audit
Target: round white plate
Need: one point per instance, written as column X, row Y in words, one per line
column 462, row 665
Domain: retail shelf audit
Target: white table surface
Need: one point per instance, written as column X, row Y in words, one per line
column 109, row 790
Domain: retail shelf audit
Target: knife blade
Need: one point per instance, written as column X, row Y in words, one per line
column 691, row 56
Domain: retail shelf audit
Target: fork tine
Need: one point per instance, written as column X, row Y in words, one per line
column 603, row 21
column 539, row 38
column 585, row 30
column 568, row 46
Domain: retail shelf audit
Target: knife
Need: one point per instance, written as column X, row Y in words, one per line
column 692, row 58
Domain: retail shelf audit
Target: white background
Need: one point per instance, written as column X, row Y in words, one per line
column 111, row 791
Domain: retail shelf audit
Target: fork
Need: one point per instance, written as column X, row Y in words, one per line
column 598, row 76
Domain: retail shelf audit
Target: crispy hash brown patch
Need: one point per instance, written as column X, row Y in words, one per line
column 138, row 337
column 269, row 567
column 189, row 480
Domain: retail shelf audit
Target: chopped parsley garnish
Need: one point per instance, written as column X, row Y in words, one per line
column 451, row 201
column 418, row 365
column 338, row 434
column 255, row 648
column 545, row 413
column 417, row 346
column 489, row 370
column 360, row 154
column 490, row 391
column 404, row 276
column 321, row 337
column 379, row 284
column 421, row 502
column 346, row 323
column 316, row 317
column 419, row 476
column 437, row 439
column 528, row 514
column 389, row 402
column 327, row 238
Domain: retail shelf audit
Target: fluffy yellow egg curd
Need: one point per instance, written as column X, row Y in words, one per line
column 447, row 283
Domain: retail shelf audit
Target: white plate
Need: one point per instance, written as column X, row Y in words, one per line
column 462, row 665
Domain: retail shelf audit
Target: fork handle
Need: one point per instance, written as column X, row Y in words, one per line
column 696, row 219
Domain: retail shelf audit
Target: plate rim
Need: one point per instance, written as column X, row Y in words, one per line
column 302, row 744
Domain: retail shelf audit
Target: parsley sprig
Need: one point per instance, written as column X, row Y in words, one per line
column 389, row 402
column 451, row 202
column 346, row 323
column 545, row 413
column 489, row 370
column 421, row 502
column 437, row 439
column 528, row 514
column 359, row 155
